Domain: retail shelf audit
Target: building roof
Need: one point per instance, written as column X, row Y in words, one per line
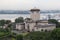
column 42, row 21
column 35, row 9
column 43, row 26
column 38, row 21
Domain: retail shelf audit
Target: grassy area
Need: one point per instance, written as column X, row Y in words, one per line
column 2, row 33
column 13, row 39
column 24, row 33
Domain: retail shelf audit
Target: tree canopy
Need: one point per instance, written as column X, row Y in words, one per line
column 2, row 22
column 53, row 35
column 54, row 22
column 28, row 19
column 19, row 37
column 19, row 20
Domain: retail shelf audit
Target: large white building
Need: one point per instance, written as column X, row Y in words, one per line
column 35, row 24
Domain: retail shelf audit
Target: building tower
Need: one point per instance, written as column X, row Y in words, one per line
column 35, row 14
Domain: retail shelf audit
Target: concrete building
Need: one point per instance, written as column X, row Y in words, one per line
column 34, row 23
column 20, row 26
column 48, row 27
column 35, row 14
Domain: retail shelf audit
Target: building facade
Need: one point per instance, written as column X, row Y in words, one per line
column 35, row 14
column 35, row 24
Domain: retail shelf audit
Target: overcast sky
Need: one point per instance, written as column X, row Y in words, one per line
column 28, row 4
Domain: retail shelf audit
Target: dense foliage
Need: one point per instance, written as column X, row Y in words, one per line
column 37, row 36
column 2, row 22
column 53, row 21
column 4, row 34
column 53, row 35
column 19, row 20
column 19, row 37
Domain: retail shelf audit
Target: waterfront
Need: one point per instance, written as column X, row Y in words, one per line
column 14, row 16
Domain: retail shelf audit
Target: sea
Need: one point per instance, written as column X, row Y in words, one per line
column 43, row 16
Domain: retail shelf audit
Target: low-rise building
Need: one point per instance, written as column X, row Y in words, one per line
column 20, row 26
column 48, row 27
column 39, row 25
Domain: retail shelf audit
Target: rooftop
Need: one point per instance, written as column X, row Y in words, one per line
column 43, row 26
column 35, row 9
column 38, row 21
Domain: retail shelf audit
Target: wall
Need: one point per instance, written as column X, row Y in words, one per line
column 35, row 15
column 45, row 28
column 31, row 26
column 19, row 26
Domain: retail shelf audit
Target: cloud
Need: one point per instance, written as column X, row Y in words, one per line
column 28, row 4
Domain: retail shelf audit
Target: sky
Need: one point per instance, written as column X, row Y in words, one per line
column 29, row 4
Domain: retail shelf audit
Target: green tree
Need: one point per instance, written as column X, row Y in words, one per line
column 8, row 21
column 37, row 36
column 19, row 20
column 19, row 37
column 2, row 22
column 55, row 35
column 54, row 22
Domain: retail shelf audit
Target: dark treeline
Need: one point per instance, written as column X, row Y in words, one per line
column 53, row 35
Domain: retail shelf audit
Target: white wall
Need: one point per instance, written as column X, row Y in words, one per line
column 35, row 15
column 31, row 26
column 45, row 28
